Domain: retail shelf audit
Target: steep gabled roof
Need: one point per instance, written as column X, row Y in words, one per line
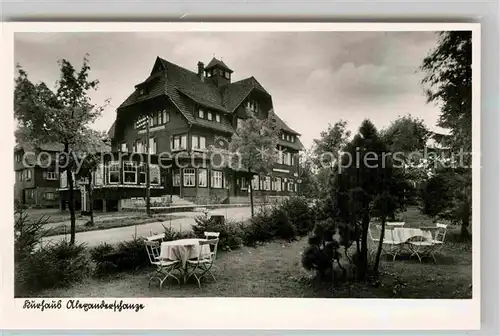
column 281, row 124
column 111, row 131
column 233, row 94
column 182, row 86
column 156, row 89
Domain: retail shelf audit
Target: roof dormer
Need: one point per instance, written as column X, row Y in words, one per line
column 218, row 72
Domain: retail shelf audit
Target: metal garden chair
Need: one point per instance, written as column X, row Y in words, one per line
column 203, row 263
column 211, row 235
column 389, row 245
column 164, row 268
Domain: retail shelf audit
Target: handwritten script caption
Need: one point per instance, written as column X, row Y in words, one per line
column 116, row 306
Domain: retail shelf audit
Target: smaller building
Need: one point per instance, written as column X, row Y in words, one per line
column 36, row 179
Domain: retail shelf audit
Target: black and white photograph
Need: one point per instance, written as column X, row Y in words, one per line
column 307, row 164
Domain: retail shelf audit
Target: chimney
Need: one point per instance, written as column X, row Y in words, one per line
column 201, row 69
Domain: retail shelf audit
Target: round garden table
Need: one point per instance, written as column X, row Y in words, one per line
column 184, row 249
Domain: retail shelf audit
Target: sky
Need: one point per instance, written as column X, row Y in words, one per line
column 315, row 78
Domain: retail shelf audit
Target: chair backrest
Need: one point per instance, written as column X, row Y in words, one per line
column 153, row 249
column 213, row 247
column 440, row 232
column 395, row 224
column 210, row 235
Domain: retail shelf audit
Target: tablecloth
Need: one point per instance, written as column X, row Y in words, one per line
column 183, row 249
column 401, row 235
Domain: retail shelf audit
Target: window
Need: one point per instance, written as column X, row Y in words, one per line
column 253, row 106
column 293, row 138
column 154, row 174
column 278, row 184
column 179, row 142
column 198, row 142
column 98, row 175
column 267, row 183
column 19, row 157
column 239, row 123
column 290, row 186
column 283, row 136
column 201, row 113
column 209, row 116
column 288, row 159
column 123, row 147
column 216, row 179
column 221, row 72
column 129, row 172
column 166, row 116
column 176, row 178
column 226, row 74
column 295, row 185
column 49, row 196
column 202, row 178
column 152, row 146
column 114, row 172
column 217, row 117
column 280, row 156
column 142, row 173
column 189, row 177
column 141, row 122
column 139, row 147
column 30, row 194
column 26, row 175
column 244, row 185
column 49, row 175
column 255, row 182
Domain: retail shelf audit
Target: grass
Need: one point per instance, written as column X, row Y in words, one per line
column 111, row 223
column 274, row 270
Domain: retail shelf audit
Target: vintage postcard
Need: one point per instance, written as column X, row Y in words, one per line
column 241, row 176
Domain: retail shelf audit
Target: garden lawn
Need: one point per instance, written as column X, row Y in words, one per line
column 274, row 270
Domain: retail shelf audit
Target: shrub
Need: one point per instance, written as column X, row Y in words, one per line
column 55, row 265
column 322, row 250
column 230, row 233
column 299, row 213
column 27, row 233
column 259, row 228
column 98, row 255
column 282, row 227
column 171, row 234
column 131, row 255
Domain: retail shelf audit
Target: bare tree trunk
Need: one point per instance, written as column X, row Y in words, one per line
column 251, row 195
column 71, row 195
column 91, row 200
column 363, row 260
column 379, row 248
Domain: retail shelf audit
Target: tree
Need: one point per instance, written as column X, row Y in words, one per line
column 365, row 186
column 326, row 149
column 406, row 138
column 326, row 152
column 61, row 117
column 255, row 146
column 448, row 82
column 307, row 174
